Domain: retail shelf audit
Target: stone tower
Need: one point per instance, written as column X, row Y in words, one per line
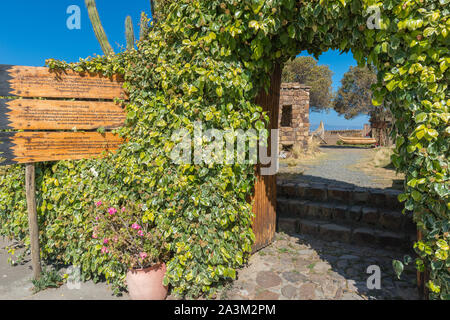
column 294, row 115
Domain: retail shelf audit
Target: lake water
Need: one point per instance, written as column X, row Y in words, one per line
column 333, row 121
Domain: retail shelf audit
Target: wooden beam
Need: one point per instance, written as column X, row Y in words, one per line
column 40, row 82
column 31, row 147
column 31, row 114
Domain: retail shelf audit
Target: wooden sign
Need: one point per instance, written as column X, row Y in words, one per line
column 40, row 108
column 35, row 82
column 30, row 147
column 27, row 114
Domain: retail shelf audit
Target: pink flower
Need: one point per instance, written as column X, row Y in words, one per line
column 143, row 255
column 112, row 211
column 94, row 236
column 135, row 226
column 97, row 218
column 141, row 233
column 98, row 204
column 105, row 250
column 123, row 209
column 116, row 238
column 105, row 241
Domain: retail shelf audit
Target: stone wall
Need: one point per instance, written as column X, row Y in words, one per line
column 294, row 115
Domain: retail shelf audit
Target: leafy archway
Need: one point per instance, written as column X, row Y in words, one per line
column 207, row 60
column 405, row 40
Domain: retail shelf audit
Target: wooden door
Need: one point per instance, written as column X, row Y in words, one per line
column 265, row 197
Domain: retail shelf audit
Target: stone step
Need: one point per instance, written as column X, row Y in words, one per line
column 350, row 215
column 347, row 195
column 370, row 237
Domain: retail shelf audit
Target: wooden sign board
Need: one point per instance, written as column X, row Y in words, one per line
column 40, row 104
column 30, row 147
column 28, row 114
column 37, row 82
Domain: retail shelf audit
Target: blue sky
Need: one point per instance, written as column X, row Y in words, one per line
column 33, row 31
column 339, row 64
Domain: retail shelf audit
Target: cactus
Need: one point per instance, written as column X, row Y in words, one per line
column 98, row 28
column 143, row 26
column 129, row 30
column 152, row 8
column 129, row 33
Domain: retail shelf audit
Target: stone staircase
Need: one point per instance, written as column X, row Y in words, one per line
column 361, row 216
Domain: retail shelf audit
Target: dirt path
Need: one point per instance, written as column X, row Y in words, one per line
column 336, row 166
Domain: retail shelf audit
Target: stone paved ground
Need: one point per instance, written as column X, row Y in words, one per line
column 299, row 267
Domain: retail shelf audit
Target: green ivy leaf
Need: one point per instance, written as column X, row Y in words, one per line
column 421, row 117
column 291, row 31
column 398, row 268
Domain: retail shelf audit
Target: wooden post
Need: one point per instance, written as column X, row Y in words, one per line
column 265, row 205
column 30, row 183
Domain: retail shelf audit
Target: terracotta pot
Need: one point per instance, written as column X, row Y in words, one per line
column 147, row 284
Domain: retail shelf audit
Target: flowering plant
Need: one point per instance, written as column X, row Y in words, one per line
column 124, row 236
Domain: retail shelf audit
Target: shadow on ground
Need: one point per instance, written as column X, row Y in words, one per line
column 353, row 263
column 297, row 267
column 295, row 177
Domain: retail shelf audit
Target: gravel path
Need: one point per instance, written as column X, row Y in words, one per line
column 334, row 168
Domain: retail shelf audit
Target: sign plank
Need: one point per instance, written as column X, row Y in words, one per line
column 35, row 82
column 30, row 147
column 27, row 114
